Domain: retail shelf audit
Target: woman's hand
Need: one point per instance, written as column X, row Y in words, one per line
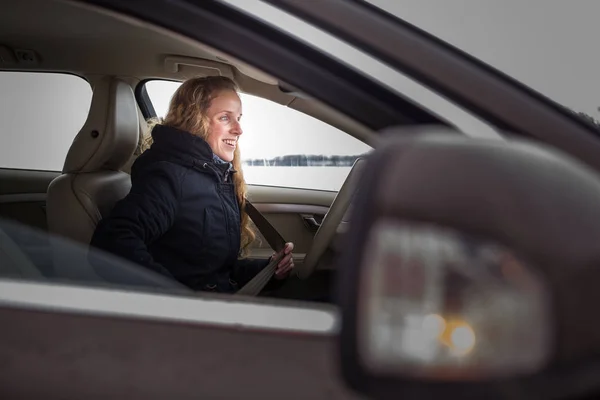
column 286, row 264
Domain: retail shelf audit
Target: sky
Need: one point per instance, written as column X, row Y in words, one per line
column 550, row 45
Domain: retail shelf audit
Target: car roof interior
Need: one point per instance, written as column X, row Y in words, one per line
column 91, row 42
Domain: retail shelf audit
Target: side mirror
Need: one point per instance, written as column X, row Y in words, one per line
column 471, row 270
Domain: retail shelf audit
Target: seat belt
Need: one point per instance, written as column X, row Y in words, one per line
column 277, row 243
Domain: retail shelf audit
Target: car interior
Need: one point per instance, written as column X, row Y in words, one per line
column 117, row 57
column 448, row 275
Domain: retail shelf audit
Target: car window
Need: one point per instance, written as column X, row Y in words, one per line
column 468, row 123
column 60, row 104
column 281, row 146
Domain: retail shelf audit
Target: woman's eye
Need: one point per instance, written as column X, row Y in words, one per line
column 224, row 118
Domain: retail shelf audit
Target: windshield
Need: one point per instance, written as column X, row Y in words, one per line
column 549, row 45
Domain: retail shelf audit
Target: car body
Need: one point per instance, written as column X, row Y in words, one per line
column 71, row 338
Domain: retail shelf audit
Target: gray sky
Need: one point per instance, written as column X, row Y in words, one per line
column 550, row 45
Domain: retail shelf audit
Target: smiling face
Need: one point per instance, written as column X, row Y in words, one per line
column 224, row 127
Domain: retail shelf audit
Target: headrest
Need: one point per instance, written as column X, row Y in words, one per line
column 111, row 132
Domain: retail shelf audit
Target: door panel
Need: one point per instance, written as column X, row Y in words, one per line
column 291, row 222
column 23, row 196
column 159, row 347
column 284, row 195
column 290, row 210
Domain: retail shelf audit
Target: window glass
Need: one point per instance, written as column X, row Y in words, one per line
column 41, row 114
column 471, row 125
column 281, row 146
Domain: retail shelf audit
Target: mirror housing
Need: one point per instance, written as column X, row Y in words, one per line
column 471, row 271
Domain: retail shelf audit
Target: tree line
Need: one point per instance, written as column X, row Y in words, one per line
column 303, row 160
column 313, row 160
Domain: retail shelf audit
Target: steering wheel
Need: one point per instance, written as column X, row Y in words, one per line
column 332, row 220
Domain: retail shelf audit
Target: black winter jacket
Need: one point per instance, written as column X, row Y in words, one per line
column 181, row 217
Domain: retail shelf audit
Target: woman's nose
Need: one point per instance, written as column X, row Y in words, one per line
column 237, row 129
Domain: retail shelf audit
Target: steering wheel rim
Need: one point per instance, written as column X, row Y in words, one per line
column 329, row 227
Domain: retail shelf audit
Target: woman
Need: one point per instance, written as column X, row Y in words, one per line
column 184, row 216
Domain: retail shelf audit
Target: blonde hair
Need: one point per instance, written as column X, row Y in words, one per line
column 188, row 112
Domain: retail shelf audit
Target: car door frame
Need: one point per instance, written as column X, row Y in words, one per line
column 320, row 76
column 69, row 342
column 453, row 73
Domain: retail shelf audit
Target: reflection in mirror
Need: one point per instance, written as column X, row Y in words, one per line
column 439, row 304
